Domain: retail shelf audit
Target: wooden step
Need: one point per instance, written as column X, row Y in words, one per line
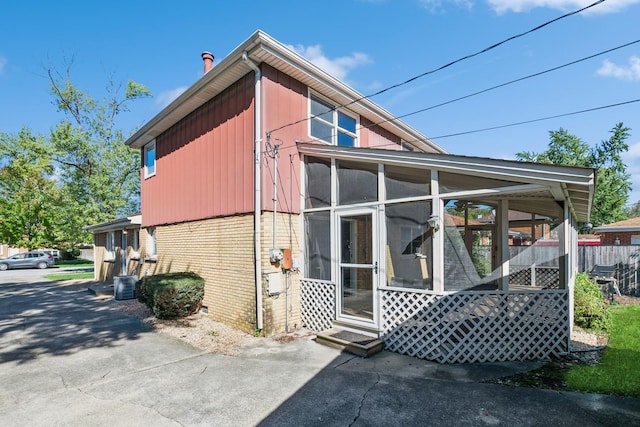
column 352, row 342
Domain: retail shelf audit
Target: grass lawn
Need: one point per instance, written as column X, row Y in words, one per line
column 70, row 276
column 619, row 370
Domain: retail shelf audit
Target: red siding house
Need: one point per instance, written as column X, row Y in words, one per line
column 304, row 204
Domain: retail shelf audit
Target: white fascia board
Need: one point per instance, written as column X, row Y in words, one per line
column 616, row 229
column 507, row 170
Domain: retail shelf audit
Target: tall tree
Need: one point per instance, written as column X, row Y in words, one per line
column 98, row 173
column 613, row 181
column 28, row 194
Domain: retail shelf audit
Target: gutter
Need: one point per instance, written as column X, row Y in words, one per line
column 257, row 244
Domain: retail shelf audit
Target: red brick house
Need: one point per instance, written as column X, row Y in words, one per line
column 304, row 204
column 625, row 232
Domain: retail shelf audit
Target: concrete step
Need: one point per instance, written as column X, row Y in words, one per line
column 101, row 290
column 352, row 342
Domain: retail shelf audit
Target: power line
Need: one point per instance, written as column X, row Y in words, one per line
column 536, row 120
column 422, row 110
column 487, row 49
column 586, row 58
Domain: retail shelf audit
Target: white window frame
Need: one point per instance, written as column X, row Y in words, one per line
column 110, row 250
column 149, row 172
column 135, row 243
column 152, row 246
column 336, row 129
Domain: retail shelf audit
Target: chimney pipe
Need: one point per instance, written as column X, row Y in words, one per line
column 207, row 57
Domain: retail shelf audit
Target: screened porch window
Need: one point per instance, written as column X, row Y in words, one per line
column 409, row 248
column 318, row 245
column 318, row 180
column 357, row 182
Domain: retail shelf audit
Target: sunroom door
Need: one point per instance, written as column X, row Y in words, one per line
column 357, row 265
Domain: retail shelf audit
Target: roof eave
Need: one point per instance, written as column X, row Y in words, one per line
column 260, row 47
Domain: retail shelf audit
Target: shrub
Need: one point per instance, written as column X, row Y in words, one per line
column 590, row 308
column 171, row 295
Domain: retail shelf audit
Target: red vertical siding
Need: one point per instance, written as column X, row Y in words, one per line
column 201, row 160
column 287, row 102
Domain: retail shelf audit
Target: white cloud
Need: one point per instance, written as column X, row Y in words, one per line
column 337, row 67
column 3, row 62
column 609, row 6
column 631, row 72
column 165, row 98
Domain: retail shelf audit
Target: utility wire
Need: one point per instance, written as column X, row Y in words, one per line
column 586, row 58
column 566, row 15
column 422, row 110
column 536, row 120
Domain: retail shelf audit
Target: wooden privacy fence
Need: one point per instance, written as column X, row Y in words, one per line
column 626, row 260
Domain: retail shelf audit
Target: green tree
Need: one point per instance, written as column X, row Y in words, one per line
column 28, row 194
column 613, row 182
column 99, row 175
column 633, row 211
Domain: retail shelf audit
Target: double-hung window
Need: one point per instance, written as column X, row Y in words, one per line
column 152, row 249
column 110, row 250
column 150, row 159
column 331, row 125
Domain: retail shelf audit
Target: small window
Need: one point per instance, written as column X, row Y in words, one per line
column 110, row 253
column 135, row 244
column 331, row 125
column 151, row 243
column 150, row 159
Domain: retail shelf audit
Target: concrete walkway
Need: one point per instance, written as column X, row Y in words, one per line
column 69, row 358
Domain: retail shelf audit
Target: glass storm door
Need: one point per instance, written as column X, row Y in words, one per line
column 357, row 266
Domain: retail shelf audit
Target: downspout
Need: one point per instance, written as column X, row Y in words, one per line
column 257, row 202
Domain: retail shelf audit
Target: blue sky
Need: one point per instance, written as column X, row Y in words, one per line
column 370, row 44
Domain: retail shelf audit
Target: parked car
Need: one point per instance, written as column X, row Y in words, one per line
column 32, row 259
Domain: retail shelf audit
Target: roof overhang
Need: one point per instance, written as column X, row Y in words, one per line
column 261, row 48
column 133, row 221
column 576, row 185
column 614, row 229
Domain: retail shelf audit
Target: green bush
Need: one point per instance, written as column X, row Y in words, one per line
column 590, row 307
column 171, row 295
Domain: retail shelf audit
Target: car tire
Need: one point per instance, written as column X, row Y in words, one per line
column 42, row 265
column 3, row 267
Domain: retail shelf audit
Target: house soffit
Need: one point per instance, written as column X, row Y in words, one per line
column 261, row 48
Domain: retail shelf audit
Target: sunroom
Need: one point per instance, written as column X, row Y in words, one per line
column 446, row 258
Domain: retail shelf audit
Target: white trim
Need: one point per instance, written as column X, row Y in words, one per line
column 150, row 146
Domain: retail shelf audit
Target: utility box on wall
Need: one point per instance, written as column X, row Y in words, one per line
column 124, row 287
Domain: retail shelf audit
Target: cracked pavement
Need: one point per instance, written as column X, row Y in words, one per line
column 68, row 358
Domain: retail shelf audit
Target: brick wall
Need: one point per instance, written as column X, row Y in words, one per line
column 285, row 307
column 610, row 238
column 221, row 251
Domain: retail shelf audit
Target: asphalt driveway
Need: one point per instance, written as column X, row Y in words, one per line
column 69, row 358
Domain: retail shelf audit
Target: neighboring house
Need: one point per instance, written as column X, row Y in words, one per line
column 116, row 248
column 9, row 250
column 625, row 232
column 303, row 203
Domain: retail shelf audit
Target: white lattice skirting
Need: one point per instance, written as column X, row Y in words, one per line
column 466, row 327
column 476, row 327
column 318, row 300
